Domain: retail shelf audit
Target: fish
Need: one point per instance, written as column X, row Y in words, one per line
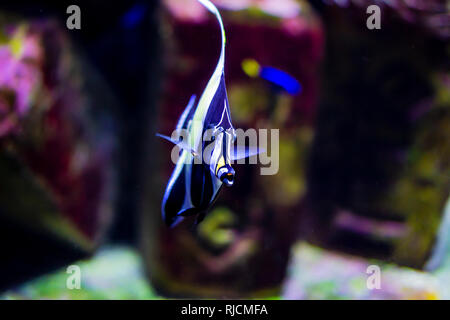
column 204, row 164
column 279, row 79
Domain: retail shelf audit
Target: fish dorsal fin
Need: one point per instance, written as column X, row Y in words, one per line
column 217, row 75
column 212, row 8
column 213, row 83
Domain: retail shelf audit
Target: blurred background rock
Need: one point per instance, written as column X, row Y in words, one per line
column 56, row 150
column 379, row 173
column 89, row 95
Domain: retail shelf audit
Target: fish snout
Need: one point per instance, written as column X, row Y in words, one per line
column 226, row 175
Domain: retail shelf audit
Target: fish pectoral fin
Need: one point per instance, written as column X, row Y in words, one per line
column 242, row 152
column 182, row 144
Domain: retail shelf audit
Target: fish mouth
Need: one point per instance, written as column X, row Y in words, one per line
column 227, row 179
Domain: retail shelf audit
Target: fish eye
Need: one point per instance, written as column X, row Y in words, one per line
column 227, row 178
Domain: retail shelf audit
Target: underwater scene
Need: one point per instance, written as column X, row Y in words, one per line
column 225, row 149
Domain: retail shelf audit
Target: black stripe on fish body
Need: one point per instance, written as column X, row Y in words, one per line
column 215, row 115
column 202, row 189
column 202, row 195
column 202, row 212
column 174, row 199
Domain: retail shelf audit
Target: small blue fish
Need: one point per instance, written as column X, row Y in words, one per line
column 195, row 184
column 280, row 79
